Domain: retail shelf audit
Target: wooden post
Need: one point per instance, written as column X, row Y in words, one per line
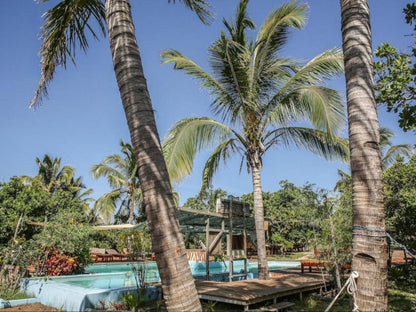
column 245, row 239
column 207, row 251
column 230, row 241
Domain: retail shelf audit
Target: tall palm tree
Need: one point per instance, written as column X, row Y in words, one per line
column 52, row 177
column 259, row 95
column 369, row 245
column 63, row 31
column 122, row 175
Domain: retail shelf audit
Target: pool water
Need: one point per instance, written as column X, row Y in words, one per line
column 107, row 282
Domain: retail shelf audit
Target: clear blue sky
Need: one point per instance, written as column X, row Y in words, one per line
column 82, row 120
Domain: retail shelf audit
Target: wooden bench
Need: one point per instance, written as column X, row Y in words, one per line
column 312, row 263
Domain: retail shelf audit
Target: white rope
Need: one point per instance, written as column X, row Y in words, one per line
column 351, row 287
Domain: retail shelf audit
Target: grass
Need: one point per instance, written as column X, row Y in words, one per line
column 12, row 295
column 288, row 256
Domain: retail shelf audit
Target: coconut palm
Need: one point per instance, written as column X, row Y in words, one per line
column 369, row 245
column 259, row 96
column 52, row 177
column 122, row 175
column 389, row 152
column 63, row 32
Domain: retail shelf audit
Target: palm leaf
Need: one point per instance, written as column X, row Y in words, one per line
column 222, row 152
column 323, row 67
column 63, row 31
column 390, row 156
column 186, row 138
column 215, row 89
column 311, row 139
column 200, row 7
column 324, row 107
column 106, row 204
column 273, row 35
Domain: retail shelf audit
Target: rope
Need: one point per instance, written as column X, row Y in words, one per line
column 368, row 229
column 351, row 287
column 393, row 241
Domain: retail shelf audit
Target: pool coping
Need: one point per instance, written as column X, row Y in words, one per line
column 16, row 302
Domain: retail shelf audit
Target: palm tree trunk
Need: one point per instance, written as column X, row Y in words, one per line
column 369, row 240
column 177, row 282
column 259, row 219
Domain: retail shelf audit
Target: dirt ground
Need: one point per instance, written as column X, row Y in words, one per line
column 32, row 307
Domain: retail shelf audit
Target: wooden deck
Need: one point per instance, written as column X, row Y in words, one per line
column 249, row 292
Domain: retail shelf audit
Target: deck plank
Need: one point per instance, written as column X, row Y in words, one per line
column 252, row 291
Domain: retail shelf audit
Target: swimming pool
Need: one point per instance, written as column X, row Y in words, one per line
column 107, row 282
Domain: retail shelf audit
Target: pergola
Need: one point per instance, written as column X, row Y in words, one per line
column 231, row 219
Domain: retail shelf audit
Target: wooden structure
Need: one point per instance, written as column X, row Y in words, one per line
column 232, row 220
column 319, row 264
column 248, row 292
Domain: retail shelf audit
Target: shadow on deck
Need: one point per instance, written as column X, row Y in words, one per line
column 245, row 293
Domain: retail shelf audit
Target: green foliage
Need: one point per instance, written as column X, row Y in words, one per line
column 293, row 213
column 400, row 201
column 395, row 75
column 206, row 200
column 122, row 175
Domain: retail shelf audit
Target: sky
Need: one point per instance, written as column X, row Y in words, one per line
column 82, row 119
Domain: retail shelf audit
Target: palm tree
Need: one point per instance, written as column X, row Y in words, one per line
column 122, row 175
column 64, row 30
column 369, row 245
column 260, row 95
column 52, row 177
column 389, row 152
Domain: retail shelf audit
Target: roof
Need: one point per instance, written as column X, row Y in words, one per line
column 195, row 220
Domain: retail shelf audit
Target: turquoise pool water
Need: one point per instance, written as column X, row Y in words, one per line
column 106, row 282
column 198, row 268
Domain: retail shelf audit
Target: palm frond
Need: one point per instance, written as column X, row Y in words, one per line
column 200, row 7
column 106, row 204
column 273, row 34
column 215, row 89
column 230, row 62
column 396, row 150
column 324, row 107
column 242, row 21
column 313, row 140
column 63, row 31
column 186, row 138
column 114, row 177
column 321, row 68
column 222, row 152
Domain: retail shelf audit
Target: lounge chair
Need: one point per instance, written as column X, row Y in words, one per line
column 116, row 255
column 99, row 255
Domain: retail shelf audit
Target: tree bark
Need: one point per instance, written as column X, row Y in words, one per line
column 259, row 219
column 369, row 240
column 177, row 282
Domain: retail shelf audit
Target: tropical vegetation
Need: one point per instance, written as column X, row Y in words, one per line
column 395, row 77
column 259, row 96
column 121, row 173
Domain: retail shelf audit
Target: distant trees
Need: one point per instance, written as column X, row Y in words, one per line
column 395, row 77
column 293, row 214
column 400, row 201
